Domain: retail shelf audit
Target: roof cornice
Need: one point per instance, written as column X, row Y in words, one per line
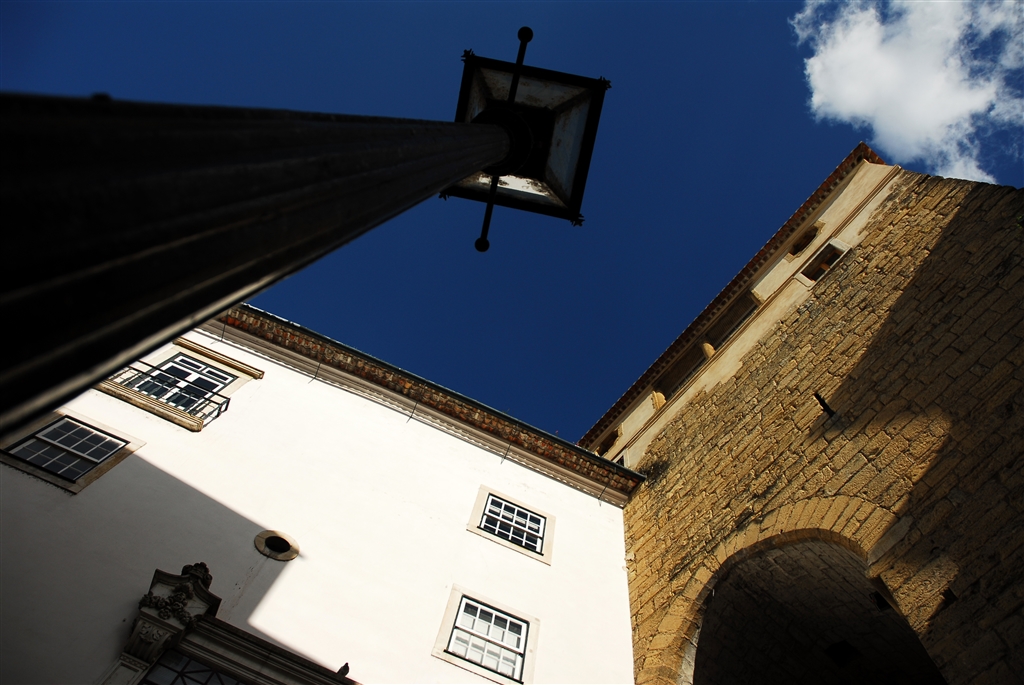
column 740, row 282
column 557, row 458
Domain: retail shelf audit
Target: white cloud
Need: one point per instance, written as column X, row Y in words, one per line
column 926, row 77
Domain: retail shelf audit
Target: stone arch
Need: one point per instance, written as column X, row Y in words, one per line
column 863, row 528
column 805, row 612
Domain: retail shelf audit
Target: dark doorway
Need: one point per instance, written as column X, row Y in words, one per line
column 806, row 613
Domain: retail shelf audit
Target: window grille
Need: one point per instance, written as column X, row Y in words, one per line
column 182, row 382
column 174, row 668
column 490, row 638
column 515, row 524
column 68, row 448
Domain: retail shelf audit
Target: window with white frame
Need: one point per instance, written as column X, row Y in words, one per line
column 67, row 448
column 517, row 526
column 184, row 382
column 513, row 523
column 490, row 638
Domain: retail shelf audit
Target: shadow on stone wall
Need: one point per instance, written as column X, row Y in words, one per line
column 916, row 339
column 804, row 613
column 936, row 405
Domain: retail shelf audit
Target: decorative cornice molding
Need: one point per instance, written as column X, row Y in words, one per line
column 179, row 612
column 250, row 371
column 861, row 153
column 338, row 364
column 220, row 645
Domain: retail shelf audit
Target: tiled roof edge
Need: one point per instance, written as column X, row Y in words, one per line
column 860, row 153
column 323, row 350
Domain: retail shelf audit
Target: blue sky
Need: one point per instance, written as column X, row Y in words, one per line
column 722, row 118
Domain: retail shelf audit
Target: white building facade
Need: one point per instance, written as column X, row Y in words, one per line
column 355, row 519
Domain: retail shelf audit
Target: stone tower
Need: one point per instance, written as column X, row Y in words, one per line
column 835, row 449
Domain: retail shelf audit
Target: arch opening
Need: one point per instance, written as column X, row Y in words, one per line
column 806, row 613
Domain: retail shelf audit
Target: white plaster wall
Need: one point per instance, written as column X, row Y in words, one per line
column 377, row 502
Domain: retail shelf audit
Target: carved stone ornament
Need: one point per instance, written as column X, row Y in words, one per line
column 200, row 572
column 147, row 641
column 172, row 606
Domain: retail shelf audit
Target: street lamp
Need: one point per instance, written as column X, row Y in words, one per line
column 551, row 118
column 127, row 224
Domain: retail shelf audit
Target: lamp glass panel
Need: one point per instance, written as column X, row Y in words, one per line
column 561, row 111
column 492, row 84
column 566, row 146
column 511, row 186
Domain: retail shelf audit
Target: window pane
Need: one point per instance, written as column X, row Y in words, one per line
column 515, row 524
column 157, row 385
column 219, row 375
column 175, row 668
column 158, row 675
column 81, row 439
column 67, row 448
column 185, row 383
column 189, row 363
column 491, row 658
column 476, row 650
column 491, row 638
column 206, row 384
column 459, row 644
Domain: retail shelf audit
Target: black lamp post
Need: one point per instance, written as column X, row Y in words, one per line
column 126, row 224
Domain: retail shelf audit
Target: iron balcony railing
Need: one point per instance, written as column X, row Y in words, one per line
column 186, row 396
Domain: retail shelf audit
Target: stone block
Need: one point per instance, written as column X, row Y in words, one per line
column 916, row 337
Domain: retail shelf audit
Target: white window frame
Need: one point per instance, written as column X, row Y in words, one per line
column 450, row 627
column 183, row 391
column 476, row 520
column 182, row 347
column 44, row 423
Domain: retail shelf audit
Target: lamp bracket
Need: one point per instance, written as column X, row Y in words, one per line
column 520, row 138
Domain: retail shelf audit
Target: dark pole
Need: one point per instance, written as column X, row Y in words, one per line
column 525, row 35
column 126, row 224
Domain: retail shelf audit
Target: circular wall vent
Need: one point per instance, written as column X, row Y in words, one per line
column 277, row 545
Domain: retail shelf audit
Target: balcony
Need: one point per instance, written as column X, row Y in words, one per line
column 163, row 391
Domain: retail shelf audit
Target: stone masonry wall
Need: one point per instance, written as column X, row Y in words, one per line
column 916, row 339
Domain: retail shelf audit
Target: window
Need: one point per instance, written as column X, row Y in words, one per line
column 68, row 448
column 182, row 382
column 682, row 370
column 187, row 384
column 805, row 239
column 515, row 524
column 488, row 637
column 491, row 640
column 174, row 668
column 824, row 260
column 501, row 519
column 729, row 321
